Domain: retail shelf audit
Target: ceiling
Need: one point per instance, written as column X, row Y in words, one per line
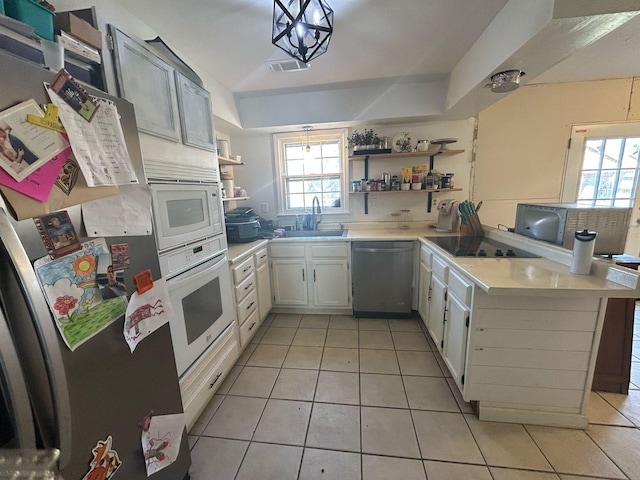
column 396, row 61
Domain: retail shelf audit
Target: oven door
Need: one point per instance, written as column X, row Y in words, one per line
column 186, row 212
column 201, row 299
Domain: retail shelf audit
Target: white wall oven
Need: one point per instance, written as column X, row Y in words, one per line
column 192, row 250
column 201, row 299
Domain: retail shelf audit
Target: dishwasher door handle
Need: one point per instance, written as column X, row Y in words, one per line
column 382, row 250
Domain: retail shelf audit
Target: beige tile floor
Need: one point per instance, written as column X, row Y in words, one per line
column 340, row 398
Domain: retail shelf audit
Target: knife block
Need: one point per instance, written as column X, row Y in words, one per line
column 473, row 228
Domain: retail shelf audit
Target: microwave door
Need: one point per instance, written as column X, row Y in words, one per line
column 185, row 213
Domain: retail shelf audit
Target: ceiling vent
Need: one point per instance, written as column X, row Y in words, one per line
column 289, row 65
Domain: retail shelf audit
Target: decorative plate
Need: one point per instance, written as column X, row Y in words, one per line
column 402, row 143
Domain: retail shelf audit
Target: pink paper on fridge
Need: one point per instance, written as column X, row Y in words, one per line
column 38, row 185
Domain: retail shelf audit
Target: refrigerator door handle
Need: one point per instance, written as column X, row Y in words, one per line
column 16, row 388
column 48, row 337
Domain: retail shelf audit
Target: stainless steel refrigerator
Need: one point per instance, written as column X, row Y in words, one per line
column 50, row 396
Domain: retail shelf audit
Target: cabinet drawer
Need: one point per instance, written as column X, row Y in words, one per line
column 261, row 257
column 440, row 269
column 331, row 250
column 460, row 287
column 247, row 306
column 201, row 381
column 243, row 270
column 243, row 289
column 286, row 251
column 248, row 329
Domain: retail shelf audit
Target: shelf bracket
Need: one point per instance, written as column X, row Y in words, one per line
column 366, row 176
column 430, row 195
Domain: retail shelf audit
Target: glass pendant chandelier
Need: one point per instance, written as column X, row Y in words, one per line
column 302, row 28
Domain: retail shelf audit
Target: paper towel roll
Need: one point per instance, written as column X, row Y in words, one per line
column 583, row 246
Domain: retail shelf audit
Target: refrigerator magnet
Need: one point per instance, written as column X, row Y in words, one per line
column 57, row 233
column 105, row 461
column 76, row 96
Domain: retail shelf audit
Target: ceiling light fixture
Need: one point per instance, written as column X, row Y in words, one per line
column 302, row 28
column 307, row 128
column 507, row 81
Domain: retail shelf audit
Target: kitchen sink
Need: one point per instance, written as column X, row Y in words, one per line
column 314, row 233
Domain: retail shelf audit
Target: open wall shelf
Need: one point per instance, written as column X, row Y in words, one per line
column 382, row 156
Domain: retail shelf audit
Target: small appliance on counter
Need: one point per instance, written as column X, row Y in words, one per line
column 448, row 219
column 558, row 222
column 242, row 224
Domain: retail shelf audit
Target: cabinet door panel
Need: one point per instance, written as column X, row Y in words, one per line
column 195, row 114
column 331, row 283
column 435, row 324
column 264, row 290
column 455, row 341
column 289, row 280
column 148, row 82
column 424, row 294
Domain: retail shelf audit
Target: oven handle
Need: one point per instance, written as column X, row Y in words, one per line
column 206, row 267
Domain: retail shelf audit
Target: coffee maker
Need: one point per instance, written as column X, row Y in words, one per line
column 448, row 218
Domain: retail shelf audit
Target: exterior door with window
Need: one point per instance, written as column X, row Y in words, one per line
column 602, row 170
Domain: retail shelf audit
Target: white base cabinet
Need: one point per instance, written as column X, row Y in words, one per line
column 249, row 284
column 263, row 280
column 436, row 319
column 310, row 276
column 424, row 286
column 521, row 358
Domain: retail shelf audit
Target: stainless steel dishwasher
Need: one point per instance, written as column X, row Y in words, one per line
column 381, row 278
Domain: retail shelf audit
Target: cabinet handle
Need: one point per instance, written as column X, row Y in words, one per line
column 248, row 287
column 263, row 256
column 303, row 274
column 250, row 305
column 247, row 268
column 314, row 274
column 252, row 325
column 216, row 379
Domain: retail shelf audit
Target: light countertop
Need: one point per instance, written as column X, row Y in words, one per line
column 545, row 276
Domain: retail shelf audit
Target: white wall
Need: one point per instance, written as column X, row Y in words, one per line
column 523, row 139
column 257, row 176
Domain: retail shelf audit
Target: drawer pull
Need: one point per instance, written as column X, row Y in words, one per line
column 250, row 305
column 263, row 256
column 248, row 287
column 246, row 269
column 252, row 325
column 216, row 379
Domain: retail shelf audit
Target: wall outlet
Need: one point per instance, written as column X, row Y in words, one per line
column 434, row 202
column 264, row 207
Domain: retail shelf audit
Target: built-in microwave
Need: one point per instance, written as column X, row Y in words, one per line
column 185, row 212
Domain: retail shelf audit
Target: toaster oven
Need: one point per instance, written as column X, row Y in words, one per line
column 557, row 223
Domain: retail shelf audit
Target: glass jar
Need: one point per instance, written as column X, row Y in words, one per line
column 423, row 145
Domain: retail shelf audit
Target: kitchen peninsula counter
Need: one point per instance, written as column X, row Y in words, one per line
column 545, row 276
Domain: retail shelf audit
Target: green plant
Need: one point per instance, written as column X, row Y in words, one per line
column 369, row 137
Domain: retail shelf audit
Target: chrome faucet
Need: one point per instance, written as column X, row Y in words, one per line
column 315, row 220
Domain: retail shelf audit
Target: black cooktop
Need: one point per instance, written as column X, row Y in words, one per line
column 461, row 246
